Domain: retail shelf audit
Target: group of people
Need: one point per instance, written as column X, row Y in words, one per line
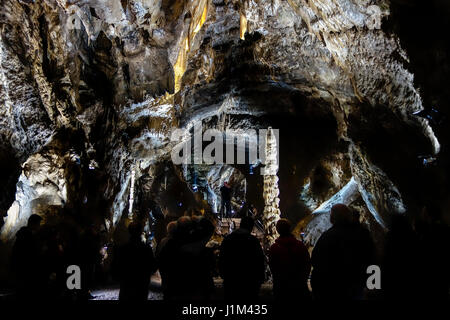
column 413, row 258
column 414, row 262
column 41, row 254
column 188, row 264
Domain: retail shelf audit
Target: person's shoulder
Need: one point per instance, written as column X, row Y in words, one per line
column 145, row 246
column 23, row 229
column 274, row 248
column 23, row 232
column 236, row 236
column 327, row 236
column 253, row 239
column 328, row 233
column 299, row 243
column 274, row 245
column 228, row 238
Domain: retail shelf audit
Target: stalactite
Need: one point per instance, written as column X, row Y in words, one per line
column 243, row 26
column 199, row 16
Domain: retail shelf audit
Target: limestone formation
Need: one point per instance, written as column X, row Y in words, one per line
column 271, row 213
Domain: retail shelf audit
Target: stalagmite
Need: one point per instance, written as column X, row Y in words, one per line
column 271, row 212
column 130, row 207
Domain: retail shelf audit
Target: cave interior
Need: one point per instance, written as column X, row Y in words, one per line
column 91, row 92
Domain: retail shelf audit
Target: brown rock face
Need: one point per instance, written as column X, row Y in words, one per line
column 91, row 92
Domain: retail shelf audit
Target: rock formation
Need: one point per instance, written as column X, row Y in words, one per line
column 271, row 213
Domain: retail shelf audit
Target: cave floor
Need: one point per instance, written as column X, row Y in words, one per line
column 112, row 292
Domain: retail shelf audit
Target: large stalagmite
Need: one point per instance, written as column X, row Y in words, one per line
column 271, row 212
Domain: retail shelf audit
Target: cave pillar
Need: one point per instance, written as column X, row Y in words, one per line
column 271, row 213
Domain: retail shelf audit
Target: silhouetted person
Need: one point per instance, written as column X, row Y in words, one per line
column 400, row 261
column 434, row 252
column 241, row 263
column 340, row 258
column 135, row 264
column 290, row 265
column 364, row 237
column 163, row 251
column 225, row 207
column 170, row 231
column 161, row 223
column 183, row 232
column 197, row 263
column 27, row 262
column 55, row 264
column 169, row 258
column 89, row 257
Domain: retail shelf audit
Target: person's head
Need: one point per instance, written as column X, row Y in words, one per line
column 34, row 221
column 206, row 228
column 340, row 214
column 284, row 227
column 184, row 222
column 247, row 223
column 135, row 230
column 184, row 227
column 195, row 227
column 171, row 226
